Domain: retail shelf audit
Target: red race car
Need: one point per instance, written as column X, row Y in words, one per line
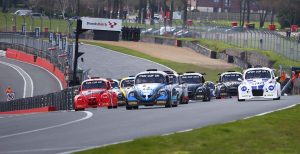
column 96, row 92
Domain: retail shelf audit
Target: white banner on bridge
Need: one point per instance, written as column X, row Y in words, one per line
column 101, row 24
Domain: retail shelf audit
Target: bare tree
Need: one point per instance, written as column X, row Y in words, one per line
column 63, row 5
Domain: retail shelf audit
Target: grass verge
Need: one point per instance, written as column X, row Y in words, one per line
column 274, row 133
column 57, row 25
column 212, row 74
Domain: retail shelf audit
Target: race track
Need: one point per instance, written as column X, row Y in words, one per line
column 59, row 132
column 67, row 131
column 110, row 64
column 15, row 73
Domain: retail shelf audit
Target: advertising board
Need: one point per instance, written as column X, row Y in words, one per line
column 101, row 24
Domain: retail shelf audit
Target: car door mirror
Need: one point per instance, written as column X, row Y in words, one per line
column 277, row 79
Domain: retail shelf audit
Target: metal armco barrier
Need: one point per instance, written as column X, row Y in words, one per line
column 63, row 100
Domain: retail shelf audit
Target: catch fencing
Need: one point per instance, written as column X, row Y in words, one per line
column 255, row 39
column 38, row 47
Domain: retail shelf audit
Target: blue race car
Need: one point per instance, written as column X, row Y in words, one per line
column 152, row 87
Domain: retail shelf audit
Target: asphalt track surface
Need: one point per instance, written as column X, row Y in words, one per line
column 14, row 73
column 110, row 64
column 60, row 132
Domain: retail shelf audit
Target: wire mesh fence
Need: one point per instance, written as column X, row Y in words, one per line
column 63, row 100
column 37, row 47
column 237, row 36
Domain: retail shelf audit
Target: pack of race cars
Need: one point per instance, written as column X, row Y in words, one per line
column 169, row 89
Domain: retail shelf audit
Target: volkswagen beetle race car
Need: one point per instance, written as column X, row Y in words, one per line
column 115, row 87
column 259, row 83
column 95, row 92
column 152, row 87
column 197, row 90
column 228, row 84
column 181, row 89
column 126, row 84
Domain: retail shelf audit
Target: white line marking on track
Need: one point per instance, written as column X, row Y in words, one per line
column 30, row 79
column 92, row 147
column 88, row 115
column 268, row 112
column 23, row 74
column 59, row 82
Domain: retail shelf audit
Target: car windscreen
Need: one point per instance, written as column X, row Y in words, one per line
column 231, row 77
column 114, row 84
column 173, row 78
column 258, row 74
column 127, row 83
column 193, row 79
column 149, row 78
column 98, row 84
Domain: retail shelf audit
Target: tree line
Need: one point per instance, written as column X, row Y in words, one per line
column 287, row 11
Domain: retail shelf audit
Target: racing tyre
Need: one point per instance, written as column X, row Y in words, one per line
column 168, row 104
column 128, row 107
column 109, row 107
column 136, row 107
column 181, row 100
column 175, row 105
column 241, row 100
column 80, row 109
column 115, row 107
column 278, row 98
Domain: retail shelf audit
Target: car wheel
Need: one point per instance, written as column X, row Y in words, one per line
column 241, row 100
column 128, row 107
column 109, row 107
column 278, row 98
column 181, row 100
column 115, row 107
column 136, row 107
column 169, row 103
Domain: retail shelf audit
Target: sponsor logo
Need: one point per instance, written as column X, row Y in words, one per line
column 244, row 88
column 271, row 88
column 110, row 24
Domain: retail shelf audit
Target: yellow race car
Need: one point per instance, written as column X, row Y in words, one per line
column 125, row 85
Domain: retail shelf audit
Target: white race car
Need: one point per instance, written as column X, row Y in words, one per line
column 259, row 83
